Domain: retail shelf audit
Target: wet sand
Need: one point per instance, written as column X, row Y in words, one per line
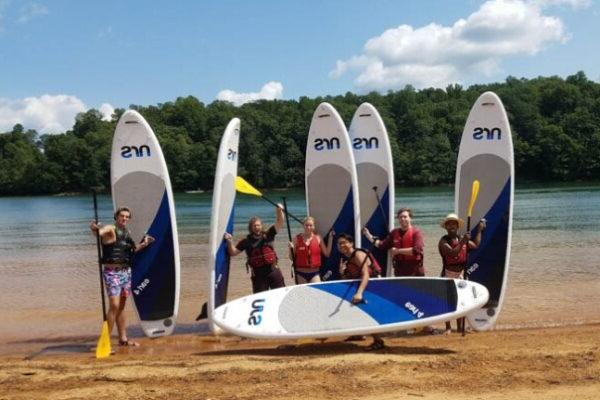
column 549, row 363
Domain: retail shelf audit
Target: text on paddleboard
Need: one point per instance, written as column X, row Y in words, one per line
column 130, row 151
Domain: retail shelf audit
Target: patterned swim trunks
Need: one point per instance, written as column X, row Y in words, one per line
column 117, row 281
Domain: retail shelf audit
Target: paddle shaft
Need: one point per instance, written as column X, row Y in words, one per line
column 385, row 219
column 276, row 205
column 98, row 247
column 289, row 231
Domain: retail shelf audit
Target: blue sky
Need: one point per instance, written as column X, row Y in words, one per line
column 61, row 57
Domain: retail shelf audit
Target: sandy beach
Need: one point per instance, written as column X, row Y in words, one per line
column 549, row 363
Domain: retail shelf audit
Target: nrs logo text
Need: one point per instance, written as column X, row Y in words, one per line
column 130, row 151
column 487, row 134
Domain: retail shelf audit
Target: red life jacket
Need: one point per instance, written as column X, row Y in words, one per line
column 457, row 262
column 307, row 256
column 261, row 255
column 354, row 271
column 403, row 242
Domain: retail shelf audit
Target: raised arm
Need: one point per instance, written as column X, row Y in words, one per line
column 474, row 244
column 326, row 249
column 231, row 249
column 279, row 215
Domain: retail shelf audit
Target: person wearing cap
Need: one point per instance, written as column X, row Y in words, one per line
column 454, row 248
column 405, row 244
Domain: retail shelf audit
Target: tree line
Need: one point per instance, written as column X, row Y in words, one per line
column 555, row 125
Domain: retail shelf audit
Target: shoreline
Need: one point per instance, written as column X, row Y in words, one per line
column 549, row 363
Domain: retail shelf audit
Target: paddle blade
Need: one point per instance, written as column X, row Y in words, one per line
column 242, row 186
column 103, row 346
column 474, row 193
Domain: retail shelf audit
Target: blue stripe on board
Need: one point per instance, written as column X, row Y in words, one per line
column 153, row 277
column 378, row 226
column 222, row 262
column 394, row 301
column 490, row 257
column 344, row 223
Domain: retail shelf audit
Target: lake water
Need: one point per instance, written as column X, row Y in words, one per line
column 49, row 284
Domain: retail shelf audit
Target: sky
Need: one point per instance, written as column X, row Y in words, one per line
column 62, row 57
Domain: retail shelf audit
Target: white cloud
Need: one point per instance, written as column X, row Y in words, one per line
column 45, row 114
column 436, row 55
column 30, row 11
column 575, row 4
column 107, row 111
column 270, row 91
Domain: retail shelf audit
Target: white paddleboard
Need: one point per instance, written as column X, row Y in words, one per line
column 331, row 182
column 324, row 309
column 375, row 170
column 140, row 181
column 221, row 220
column 486, row 154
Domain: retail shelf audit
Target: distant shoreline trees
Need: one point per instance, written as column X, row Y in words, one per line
column 555, row 124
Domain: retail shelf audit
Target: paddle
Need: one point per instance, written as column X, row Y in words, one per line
column 103, row 347
column 385, row 219
column 474, row 194
column 242, row 186
column 287, row 222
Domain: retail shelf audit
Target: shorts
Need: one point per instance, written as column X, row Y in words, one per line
column 117, row 281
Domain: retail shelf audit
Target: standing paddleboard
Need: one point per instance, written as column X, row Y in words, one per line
column 140, row 181
column 486, row 154
column 325, row 309
column 331, row 184
column 221, row 220
column 375, row 170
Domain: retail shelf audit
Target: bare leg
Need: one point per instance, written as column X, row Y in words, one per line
column 448, row 328
column 316, row 278
column 300, row 279
column 111, row 314
column 120, row 319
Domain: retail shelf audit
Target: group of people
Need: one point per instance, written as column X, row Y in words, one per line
column 405, row 245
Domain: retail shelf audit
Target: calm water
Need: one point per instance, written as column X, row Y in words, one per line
column 49, row 285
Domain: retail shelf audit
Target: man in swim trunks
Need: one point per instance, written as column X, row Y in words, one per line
column 117, row 254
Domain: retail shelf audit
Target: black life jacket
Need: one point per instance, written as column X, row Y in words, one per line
column 121, row 251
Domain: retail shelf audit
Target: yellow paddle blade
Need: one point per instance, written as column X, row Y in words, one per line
column 474, row 193
column 103, row 346
column 242, row 186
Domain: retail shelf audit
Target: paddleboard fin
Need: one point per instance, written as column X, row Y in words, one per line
column 204, row 313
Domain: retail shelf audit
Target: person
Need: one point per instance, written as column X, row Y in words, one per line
column 358, row 264
column 261, row 256
column 406, row 244
column 117, row 255
column 305, row 252
column 453, row 250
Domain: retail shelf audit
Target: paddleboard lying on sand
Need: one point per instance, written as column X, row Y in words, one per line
column 375, row 170
column 331, row 183
column 324, row 309
column 486, row 154
column 140, row 181
column 221, row 220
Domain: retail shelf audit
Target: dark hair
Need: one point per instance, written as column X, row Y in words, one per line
column 121, row 209
column 251, row 222
column 401, row 210
column 345, row 236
